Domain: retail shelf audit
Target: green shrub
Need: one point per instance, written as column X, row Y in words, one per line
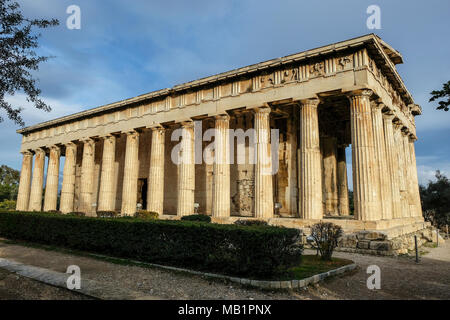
column 228, row 249
column 147, row 215
column 197, row 217
column 8, row 205
column 107, row 214
column 326, row 235
column 76, row 214
column 243, row 222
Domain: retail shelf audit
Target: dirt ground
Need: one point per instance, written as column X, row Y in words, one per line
column 401, row 278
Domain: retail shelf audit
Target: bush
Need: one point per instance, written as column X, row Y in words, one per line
column 326, row 235
column 197, row 217
column 107, row 214
column 147, row 215
column 76, row 214
column 228, row 249
column 242, row 222
column 8, row 205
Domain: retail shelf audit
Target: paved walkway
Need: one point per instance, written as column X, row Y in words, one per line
column 401, row 278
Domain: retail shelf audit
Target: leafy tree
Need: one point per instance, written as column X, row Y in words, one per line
column 442, row 94
column 18, row 39
column 326, row 236
column 436, row 200
column 9, row 183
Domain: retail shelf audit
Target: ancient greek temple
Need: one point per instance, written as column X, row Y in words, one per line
column 119, row 157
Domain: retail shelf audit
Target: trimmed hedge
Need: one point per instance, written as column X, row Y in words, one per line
column 229, row 249
column 197, row 217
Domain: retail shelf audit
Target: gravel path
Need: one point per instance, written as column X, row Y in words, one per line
column 15, row 287
column 401, row 277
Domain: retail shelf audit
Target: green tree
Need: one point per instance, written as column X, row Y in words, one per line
column 436, row 200
column 18, row 39
column 444, row 95
column 9, row 183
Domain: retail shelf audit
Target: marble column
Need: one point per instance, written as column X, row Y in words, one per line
column 310, row 201
column 221, row 168
column 87, row 178
column 155, row 195
column 37, row 183
column 23, row 195
column 68, row 185
column 409, row 175
column 51, row 186
column 393, row 164
column 263, row 164
column 365, row 187
column 414, row 179
column 329, row 150
column 404, row 206
column 106, row 194
column 186, row 171
column 342, row 182
column 130, row 174
column 383, row 177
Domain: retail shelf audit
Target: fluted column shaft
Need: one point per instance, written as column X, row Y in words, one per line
column 383, row 179
column 87, row 177
column 130, row 175
column 393, row 165
column 51, row 187
column 155, row 196
column 186, row 171
column 310, row 202
column 342, row 181
column 401, row 170
column 23, row 195
column 221, row 168
column 408, row 176
column 414, row 179
column 263, row 165
column 365, row 188
column 329, row 154
column 68, row 185
column 37, row 183
column 106, row 197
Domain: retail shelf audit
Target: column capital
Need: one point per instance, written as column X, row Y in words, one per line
column 27, row 153
column 223, row 117
column 187, row 124
column 39, row 150
column 359, row 93
column 132, row 132
column 70, row 144
column 262, row 110
column 87, row 140
column 312, row 102
column 412, row 137
column 55, row 147
column 158, row 128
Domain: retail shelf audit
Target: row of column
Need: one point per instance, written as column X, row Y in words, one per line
column 384, row 169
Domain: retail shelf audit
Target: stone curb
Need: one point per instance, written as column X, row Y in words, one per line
column 89, row 288
column 263, row 284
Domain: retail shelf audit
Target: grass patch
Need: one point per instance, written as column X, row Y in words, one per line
column 312, row 265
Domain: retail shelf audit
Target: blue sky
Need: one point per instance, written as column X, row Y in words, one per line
column 127, row 48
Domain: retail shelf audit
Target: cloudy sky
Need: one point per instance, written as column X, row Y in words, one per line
column 127, row 48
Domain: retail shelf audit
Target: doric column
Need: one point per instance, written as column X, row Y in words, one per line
column 87, row 177
column 51, row 187
column 310, row 202
column 130, row 174
column 38, row 181
column 221, row 168
column 329, row 150
column 155, row 196
column 401, row 169
column 186, row 170
column 23, row 195
column 414, row 179
column 263, row 165
column 342, row 182
column 365, row 188
column 409, row 175
column 68, row 185
column 383, row 177
column 106, row 196
column 393, row 164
